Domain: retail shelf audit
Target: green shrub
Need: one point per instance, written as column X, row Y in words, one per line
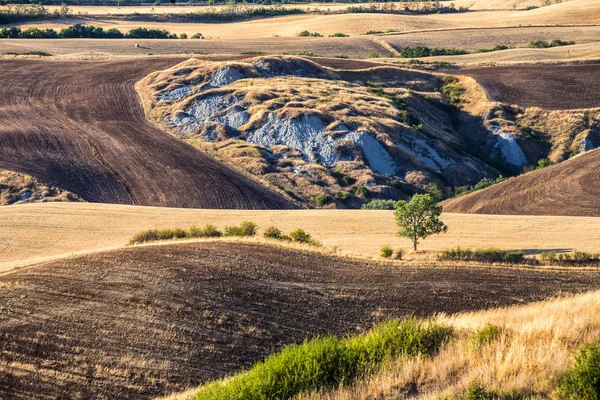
column 386, row 251
column 207, row 232
column 482, row 184
column 312, row 34
column 378, row 205
column 323, row 199
column 327, row 362
column 362, row 191
column 338, row 34
column 275, row 233
column 246, row 228
column 487, row 335
column 582, row 381
column 300, row 236
column 343, row 195
column 422, row 51
column 197, row 36
column 348, row 180
column 543, row 163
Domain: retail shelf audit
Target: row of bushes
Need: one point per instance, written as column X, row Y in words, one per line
column 542, row 44
column 422, row 51
column 328, row 362
column 578, row 258
column 83, row 31
column 27, row 12
column 484, row 256
column 245, row 229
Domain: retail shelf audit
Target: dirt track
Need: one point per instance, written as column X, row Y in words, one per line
column 78, row 125
column 144, row 321
column 569, row 188
column 553, row 87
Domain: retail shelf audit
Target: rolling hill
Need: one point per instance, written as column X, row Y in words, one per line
column 568, row 188
column 141, row 322
column 79, row 126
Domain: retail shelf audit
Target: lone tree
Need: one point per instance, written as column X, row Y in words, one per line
column 418, row 218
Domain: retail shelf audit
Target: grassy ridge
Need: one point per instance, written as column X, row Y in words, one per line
column 327, row 362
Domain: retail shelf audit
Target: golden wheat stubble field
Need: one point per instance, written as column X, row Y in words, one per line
column 33, row 233
column 147, row 321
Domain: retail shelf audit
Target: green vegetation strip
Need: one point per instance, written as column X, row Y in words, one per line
column 326, row 362
column 485, row 256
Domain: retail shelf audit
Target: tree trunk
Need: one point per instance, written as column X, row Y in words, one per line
column 415, row 245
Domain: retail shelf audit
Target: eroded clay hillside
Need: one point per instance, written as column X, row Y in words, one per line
column 337, row 136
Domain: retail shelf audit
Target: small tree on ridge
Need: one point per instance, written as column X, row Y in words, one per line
column 419, row 218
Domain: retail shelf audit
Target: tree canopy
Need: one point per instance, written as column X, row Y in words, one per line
column 419, row 218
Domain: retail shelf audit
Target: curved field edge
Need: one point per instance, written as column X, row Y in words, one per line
column 515, row 352
column 568, row 188
column 145, row 321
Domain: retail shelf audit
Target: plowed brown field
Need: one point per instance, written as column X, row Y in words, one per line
column 553, row 87
column 145, row 321
column 79, row 126
column 569, row 188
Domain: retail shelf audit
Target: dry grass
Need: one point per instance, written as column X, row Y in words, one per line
column 32, row 233
column 536, row 345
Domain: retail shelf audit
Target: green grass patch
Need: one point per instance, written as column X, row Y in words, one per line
column 582, row 381
column 246, row 228
column 326, row 362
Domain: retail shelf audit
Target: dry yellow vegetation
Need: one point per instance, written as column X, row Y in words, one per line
column 576, row 12
column 531, row 350
column 32, row 233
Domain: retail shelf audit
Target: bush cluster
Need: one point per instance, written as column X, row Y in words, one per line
column 542, row 44
column 482, row 184
column 297, row 236
column 327, row 362
column 484, row 256
column 84, row 32
column 379, row 205
column 152, row 235
column 307, row 33
column 582, row 381
column 26, row 12
column 496, row 48
column 246, row 228
column 578, row 258
column 422, row 51
column 387, row 252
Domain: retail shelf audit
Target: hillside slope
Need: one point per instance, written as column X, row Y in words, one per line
column 569, row 188
column 79, row 126
column 312, row 131
column 141, row 322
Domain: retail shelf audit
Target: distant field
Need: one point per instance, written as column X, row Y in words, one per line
column 35, row 232
column 550, row 87
column 148, row 321
column 351, row 47
column 576, row 12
